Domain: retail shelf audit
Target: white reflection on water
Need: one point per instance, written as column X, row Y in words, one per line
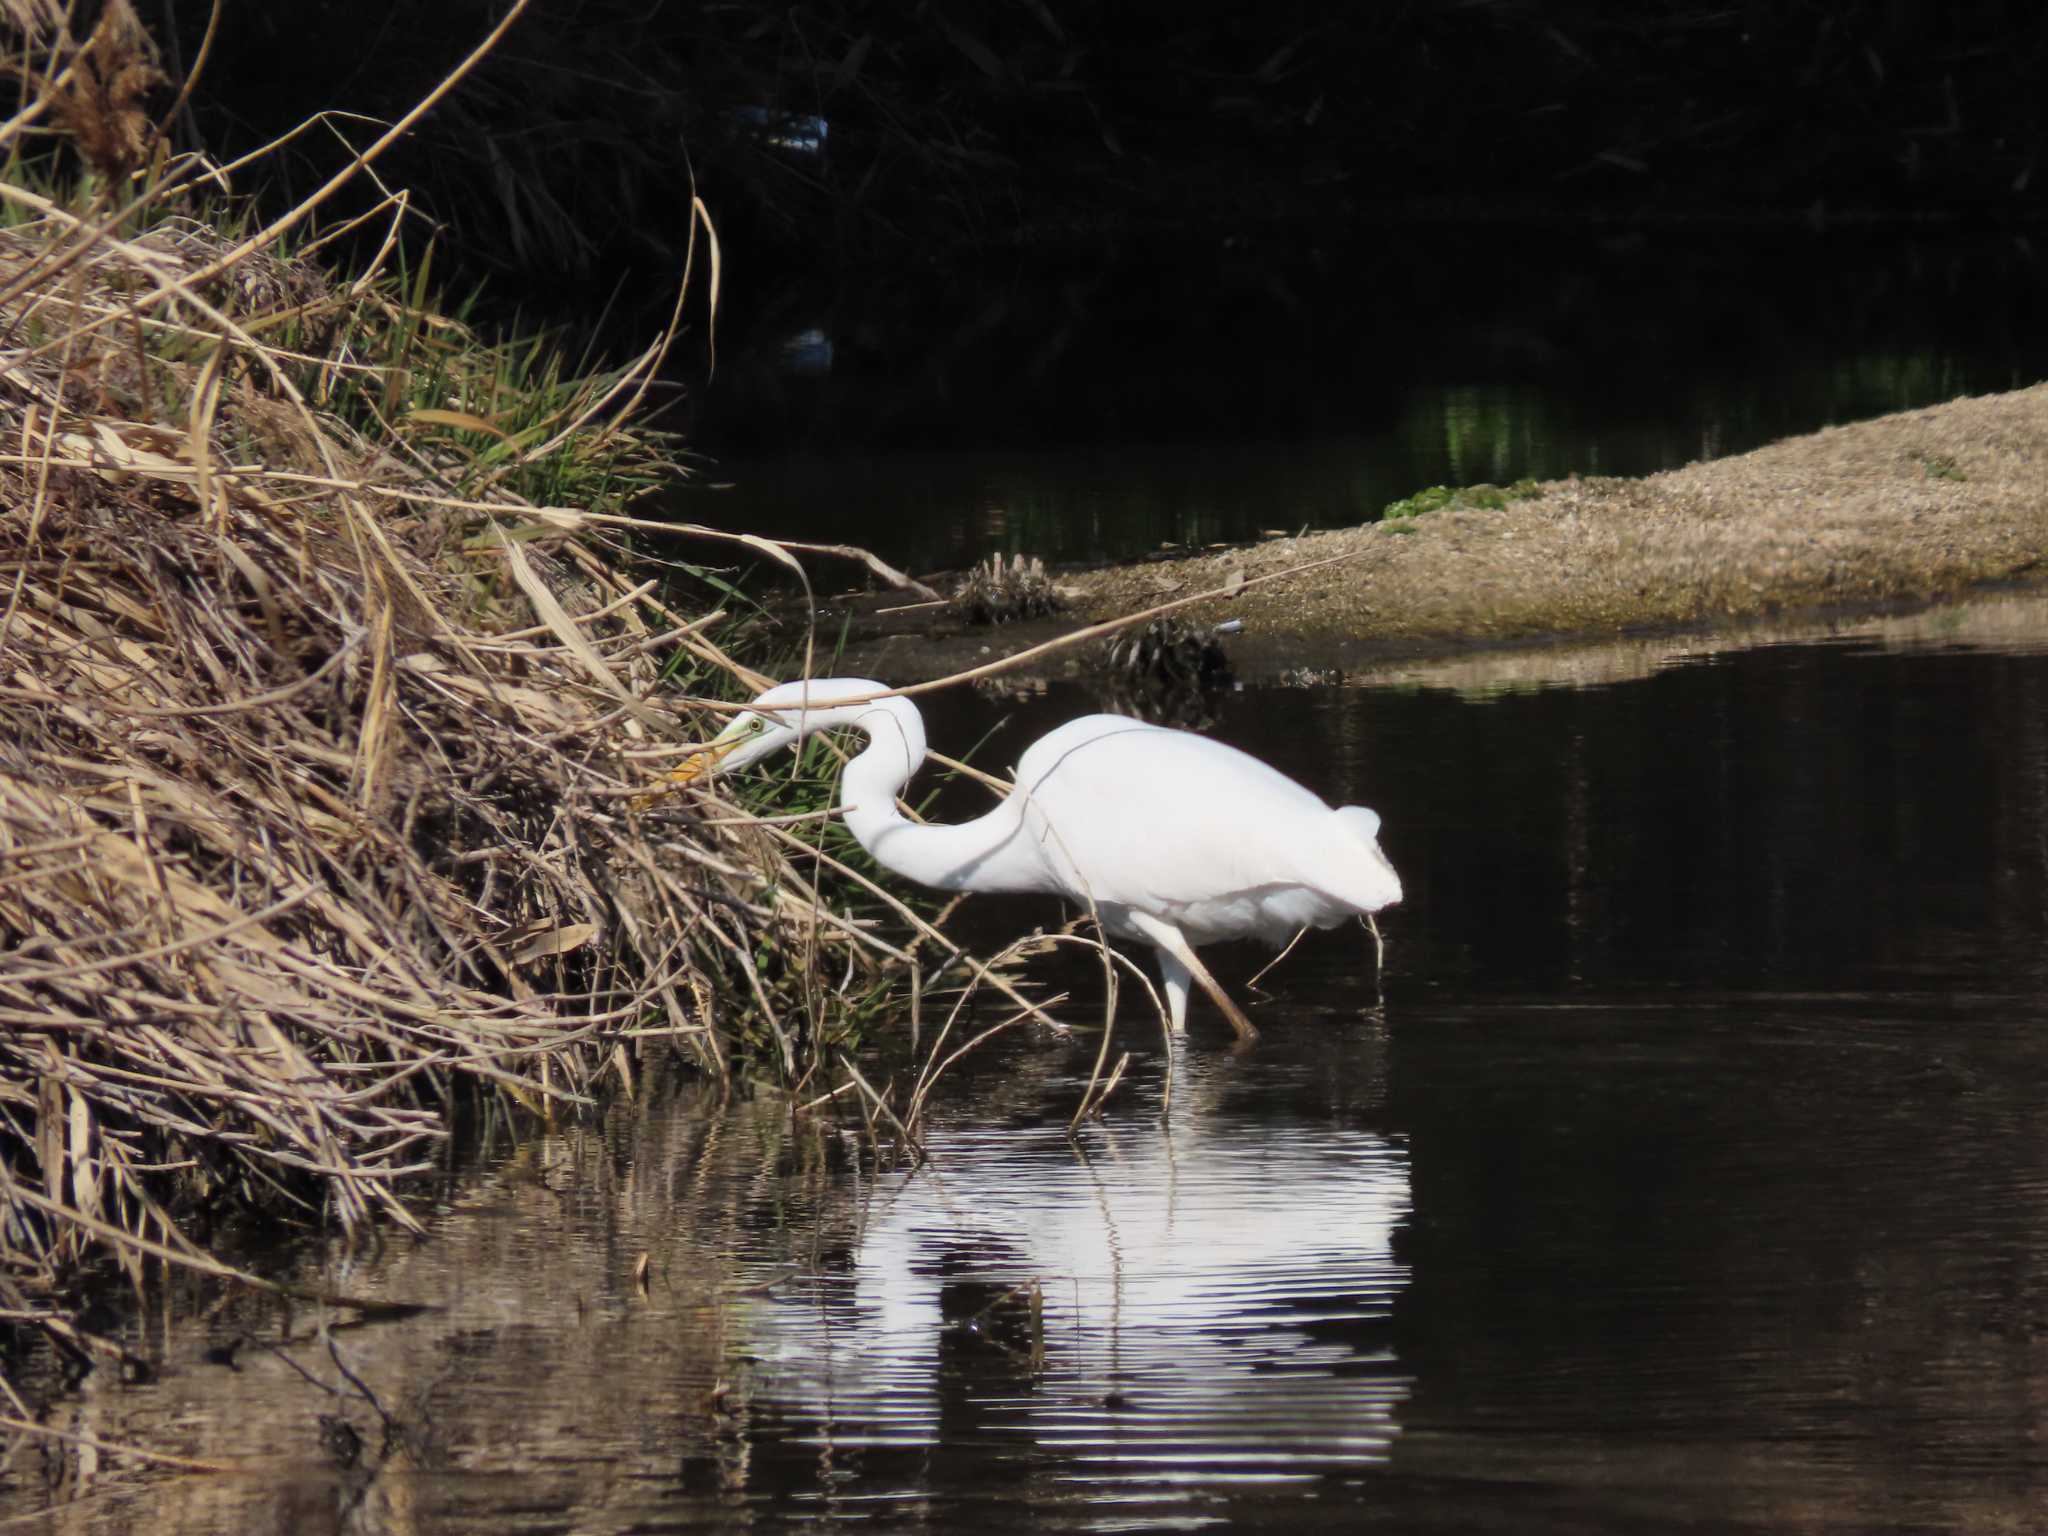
column 1215, row 1300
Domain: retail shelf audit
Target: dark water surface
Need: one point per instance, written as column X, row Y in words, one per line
column 1091, row 407
column 1687, row 1169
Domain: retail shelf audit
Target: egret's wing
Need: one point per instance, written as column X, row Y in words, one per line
column 1153, row 819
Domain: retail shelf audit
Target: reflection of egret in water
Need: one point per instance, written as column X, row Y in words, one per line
column 1216, row 1297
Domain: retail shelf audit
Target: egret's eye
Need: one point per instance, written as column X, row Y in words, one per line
column 758, row 725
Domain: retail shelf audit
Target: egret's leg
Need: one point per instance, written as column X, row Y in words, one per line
column 1172, row 944
column 1175, row 975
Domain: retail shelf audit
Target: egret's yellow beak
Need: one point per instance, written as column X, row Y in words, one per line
column 701, row 762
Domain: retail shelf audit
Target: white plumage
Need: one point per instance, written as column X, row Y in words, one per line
column 1172, row 838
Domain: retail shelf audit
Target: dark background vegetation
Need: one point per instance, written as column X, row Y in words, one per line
column 564, row 167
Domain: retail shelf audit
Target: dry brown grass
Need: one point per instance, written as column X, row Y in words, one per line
column 325, row 749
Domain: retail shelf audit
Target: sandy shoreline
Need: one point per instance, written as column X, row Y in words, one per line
column 1904, row 510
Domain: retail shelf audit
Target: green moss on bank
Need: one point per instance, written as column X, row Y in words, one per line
column 1436, row 498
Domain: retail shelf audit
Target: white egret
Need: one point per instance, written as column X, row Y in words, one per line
column 1171, row 838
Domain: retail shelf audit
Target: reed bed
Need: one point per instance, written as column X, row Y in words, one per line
column 331, row 727
column 336, row 711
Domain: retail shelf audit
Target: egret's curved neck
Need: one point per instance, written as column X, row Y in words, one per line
column 986, row 854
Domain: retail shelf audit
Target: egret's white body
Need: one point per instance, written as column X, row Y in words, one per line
column 1170, row 838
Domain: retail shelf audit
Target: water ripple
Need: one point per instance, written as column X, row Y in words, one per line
column 1205, row 1301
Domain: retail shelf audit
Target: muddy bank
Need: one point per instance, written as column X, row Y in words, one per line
column 1900, row 511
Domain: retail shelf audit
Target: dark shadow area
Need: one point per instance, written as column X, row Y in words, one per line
column 830, row 133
